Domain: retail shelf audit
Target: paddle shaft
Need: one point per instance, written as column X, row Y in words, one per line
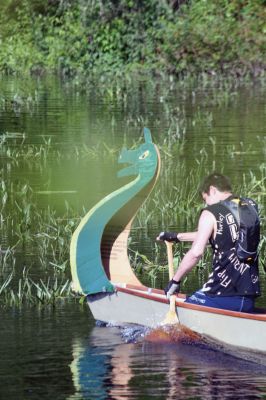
column 171, row 317
column 170, row 258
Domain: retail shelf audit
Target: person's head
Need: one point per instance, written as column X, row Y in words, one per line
column 215, row 187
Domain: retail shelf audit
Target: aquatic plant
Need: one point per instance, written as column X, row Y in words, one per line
column 39, row 237
column 28, row 291
column 40, row 153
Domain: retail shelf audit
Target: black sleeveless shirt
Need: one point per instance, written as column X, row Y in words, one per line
column 229, row 276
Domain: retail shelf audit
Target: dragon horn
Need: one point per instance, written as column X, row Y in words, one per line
column 147, row 135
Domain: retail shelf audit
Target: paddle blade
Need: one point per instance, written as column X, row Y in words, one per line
column 171, row 316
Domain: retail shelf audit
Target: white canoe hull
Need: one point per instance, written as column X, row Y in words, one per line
column 143, row 306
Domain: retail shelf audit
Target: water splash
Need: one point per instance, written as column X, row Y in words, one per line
column 173, row 334
column 129, row 333
column 133, row 333
column 162, row 334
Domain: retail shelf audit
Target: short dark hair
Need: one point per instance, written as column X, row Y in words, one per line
column 221, row 182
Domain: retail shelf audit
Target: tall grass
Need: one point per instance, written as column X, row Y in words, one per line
column 37, row 240
column 28, row 291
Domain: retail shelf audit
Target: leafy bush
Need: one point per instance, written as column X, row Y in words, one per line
column 119, row 35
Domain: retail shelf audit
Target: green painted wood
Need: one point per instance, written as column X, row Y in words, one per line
column 107, row 219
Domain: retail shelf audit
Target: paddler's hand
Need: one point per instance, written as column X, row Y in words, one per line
column 168, row 237
column 173, row 287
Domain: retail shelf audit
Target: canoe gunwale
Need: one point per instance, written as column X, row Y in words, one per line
column 158, row 295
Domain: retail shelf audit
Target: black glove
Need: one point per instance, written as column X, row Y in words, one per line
column 169, row 237
column 173, row 287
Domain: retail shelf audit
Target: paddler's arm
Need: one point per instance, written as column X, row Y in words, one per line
column 186, row 236
column 206, row 228
column 177, row 237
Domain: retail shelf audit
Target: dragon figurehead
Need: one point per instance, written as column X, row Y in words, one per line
column 98, row 250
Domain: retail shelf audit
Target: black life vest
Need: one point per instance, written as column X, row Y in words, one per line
column 230, row 276
column 245, row 211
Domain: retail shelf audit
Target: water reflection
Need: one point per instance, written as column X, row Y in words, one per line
column 101, row 367
column 106, row 367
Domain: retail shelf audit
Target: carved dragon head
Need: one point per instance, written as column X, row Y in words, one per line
column 143, row 160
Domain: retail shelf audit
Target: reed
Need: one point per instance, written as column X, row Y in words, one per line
column 45, row 234
column 28, row 291
column 40, row 154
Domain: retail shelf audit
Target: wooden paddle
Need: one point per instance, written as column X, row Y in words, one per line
column 171, row 316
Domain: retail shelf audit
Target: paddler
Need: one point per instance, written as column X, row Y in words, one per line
column 233, row 284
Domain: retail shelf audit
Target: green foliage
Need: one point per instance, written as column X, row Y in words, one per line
column 211, row 36
column 114, row 36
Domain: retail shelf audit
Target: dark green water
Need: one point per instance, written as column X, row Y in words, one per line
column 63, row 143
column 61, row 354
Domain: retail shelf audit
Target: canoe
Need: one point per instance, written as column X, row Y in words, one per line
column 101, row 269
column 133, row 304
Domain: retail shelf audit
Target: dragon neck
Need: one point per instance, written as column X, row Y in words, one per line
column 94, row 243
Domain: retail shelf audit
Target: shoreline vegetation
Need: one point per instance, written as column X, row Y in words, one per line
column 120, row 37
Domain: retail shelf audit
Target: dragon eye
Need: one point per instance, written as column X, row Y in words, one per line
column 144, row 155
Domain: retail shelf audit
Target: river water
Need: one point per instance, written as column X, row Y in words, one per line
column 61, row 354
column 61, row 140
